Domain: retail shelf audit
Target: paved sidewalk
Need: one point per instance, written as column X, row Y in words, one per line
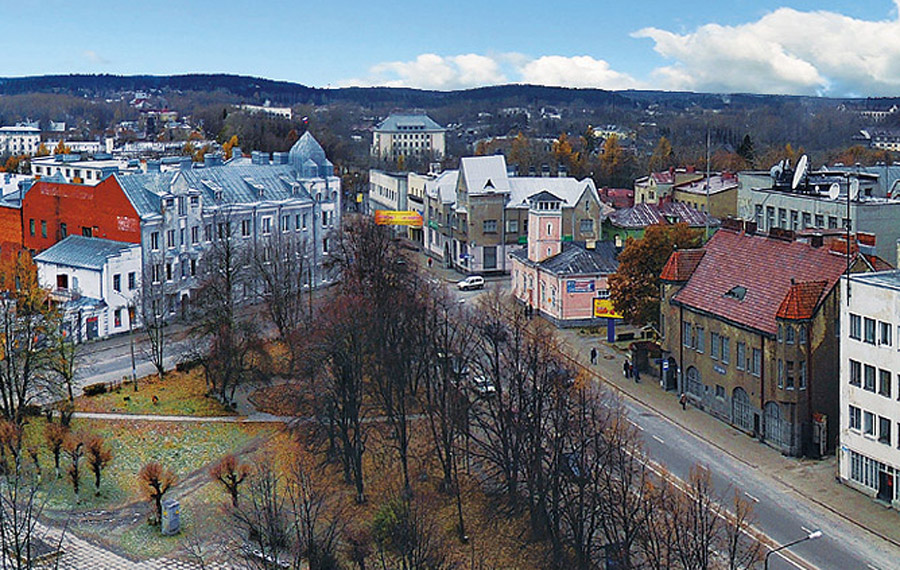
column 816, row 480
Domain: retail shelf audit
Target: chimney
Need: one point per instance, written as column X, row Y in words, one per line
column 750, row 227
column 816, row 240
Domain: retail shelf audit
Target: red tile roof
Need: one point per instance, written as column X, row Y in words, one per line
column 764, row 268
column 801, row 300
column 681, row 265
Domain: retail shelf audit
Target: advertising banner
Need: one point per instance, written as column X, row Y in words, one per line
column 603, row 309
column 580, row 286
column 398, row 218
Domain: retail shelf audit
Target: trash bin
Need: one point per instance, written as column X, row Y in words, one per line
column 171, row 519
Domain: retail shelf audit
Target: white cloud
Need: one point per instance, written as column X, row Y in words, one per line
column 578, row 71
column 785, row 51
column 94, row 57
column 431, row 71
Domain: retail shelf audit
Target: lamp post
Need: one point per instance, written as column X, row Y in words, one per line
column 811, row 536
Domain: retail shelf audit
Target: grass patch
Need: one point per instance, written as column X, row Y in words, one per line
column 178, row 394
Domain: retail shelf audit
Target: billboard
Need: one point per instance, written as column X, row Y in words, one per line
column 398, row 218
column 603, row 309
column 580, row 286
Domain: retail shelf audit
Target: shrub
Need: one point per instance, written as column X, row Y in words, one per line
column 95, row 389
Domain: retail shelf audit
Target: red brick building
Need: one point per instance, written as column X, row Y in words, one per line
column 52, row 210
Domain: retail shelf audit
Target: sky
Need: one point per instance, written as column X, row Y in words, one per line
column 800, row 47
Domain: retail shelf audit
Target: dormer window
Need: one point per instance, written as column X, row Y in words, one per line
column 738, row 292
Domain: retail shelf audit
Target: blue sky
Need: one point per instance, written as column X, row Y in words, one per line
column 794, row 46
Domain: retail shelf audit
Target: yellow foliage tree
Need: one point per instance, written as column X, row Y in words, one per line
column 61, row 148
column 228, row 147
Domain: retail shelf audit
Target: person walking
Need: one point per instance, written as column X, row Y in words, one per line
column 593, row 355
column 626, row 368
column 683, row 401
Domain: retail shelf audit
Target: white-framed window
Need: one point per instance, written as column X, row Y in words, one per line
column 855, row 418
column 245, row 228
column 868, row 423
column 170, row 238
column 884, row 338
column 855, row 327
column 587, row 226
column 884, row 382
column 756, row 362
column 869, row 330
column 512, row 226
column 266, row 223
column 884, row 430
column 489, row 226
column 740, row 355
column 869, row 378
column 117, row 283
column 154, row 240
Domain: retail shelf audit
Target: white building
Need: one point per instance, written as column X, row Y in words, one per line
column 74, row 169
column 96, row 280
column 19, row 140
column 408, row 135
column 870, row 384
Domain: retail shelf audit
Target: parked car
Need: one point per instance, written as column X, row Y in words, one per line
column 471, row 282
column 483, row 387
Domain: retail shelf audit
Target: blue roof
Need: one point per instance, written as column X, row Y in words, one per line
column 409, row 123
column 80, row 251
column 144, row 190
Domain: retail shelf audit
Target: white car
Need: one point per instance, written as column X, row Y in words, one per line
column 471, row 282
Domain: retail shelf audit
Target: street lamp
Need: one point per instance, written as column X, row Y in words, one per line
column 811, row 536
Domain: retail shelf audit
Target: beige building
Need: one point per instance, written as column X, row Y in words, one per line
column 717, row 197
column 658, row 185
column 409, row 135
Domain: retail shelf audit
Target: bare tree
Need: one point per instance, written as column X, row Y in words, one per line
column 404, row 529
column 65, row 355
column 55, row 435
column 98, row 457
column 153, row 317
column 699, row 522
column 262, row 521
column 230, row 473
column 315, row 523
column 742, row 547
column 74, row 449
column 155, row 481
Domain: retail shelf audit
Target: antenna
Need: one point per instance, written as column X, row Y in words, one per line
column 834, row 190
column 854, row 188
column 802, row 165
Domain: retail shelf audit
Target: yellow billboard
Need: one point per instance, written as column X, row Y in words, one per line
column 603, row 309
column 398, row 218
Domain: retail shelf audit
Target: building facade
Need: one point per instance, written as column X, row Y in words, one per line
column 95, row 281
column 19, row 140
column 560, row 279
column 408, row 135
column 870, row 385
column 748, row 326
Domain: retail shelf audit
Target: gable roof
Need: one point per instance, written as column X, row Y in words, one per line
column 681, row 265
column 576, row 259
column 801, row 300
column 763, row 268
column 567, row 189
column 645, row 214
column 84, row 252
column 483, row 174
column 413, row 123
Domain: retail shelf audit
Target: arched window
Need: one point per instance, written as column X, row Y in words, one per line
column 694, row 382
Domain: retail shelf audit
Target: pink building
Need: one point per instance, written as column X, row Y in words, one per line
column 560, row 278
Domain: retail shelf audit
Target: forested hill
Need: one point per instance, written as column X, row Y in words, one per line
column 252, row 89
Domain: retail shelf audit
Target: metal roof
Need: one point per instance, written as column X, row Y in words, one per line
column 408, row 123
column 576, row 259
column 85, row 252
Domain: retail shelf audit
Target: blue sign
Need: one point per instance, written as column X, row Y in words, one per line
column 719, row 369
column 665, row 365
column 580, row 286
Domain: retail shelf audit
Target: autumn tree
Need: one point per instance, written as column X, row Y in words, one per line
column 228, row 147
column 61, row 148
column 55, row 435
column 230, row 473
column 663, row 156
column 634, row 288
column 155, row 480
column 74, row 449
column 98, row 457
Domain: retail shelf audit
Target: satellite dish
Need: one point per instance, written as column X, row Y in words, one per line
column 775, row 171
column 854, row 188
column 834, row 190
column 800, row 172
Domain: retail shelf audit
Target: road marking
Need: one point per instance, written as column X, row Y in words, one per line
column 751, row 497
column 659, row 439
column 872, row 567
column 806, row 530
column 636, row 425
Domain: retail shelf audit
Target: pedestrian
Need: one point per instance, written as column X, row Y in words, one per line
column 683, row 401
column 430, row 262
column 637, row 375
column 593, row 355
column 626, row 368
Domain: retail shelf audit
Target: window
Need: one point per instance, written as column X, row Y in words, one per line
column 855, row 418
column 117, row 283
column 770, row 217
column 489, row 226
column 884, row 430
column 154, row 241
column 132, row 281
column 869, row 378
column 31, row 226
column 63, row 231
column 795, row 223
column 118, row 317
column 207, row 232
column 756, row 363
column 801, row 376
column 780, row 332
column 157, row 272
column 587, row 226
column 43, row 228
column 326, row 217
column 193, row 267
column 720, row 392
column 168, row 272
column 869, row 330
column 700, row 340
column 324, row 245
column 266, row 225
column 305, row 217
column 181, row 240
column 726, row 350
column 885, row 337
column 855, row 326
column 832, row 222
column 789, row 374
column 868, row 423
column 687, row 335
column 285, row 223
column 884, row 382
column 184, row 268
column 245, row 228
column 855, row 373
column 182, row 206
column 195, row 234
column 807, row 220
column 195, row 200
column 714, row 345
column 512, row 226
column 820, row 221
column 740, row 355
column 782, row 218
column 789, row 334
column 170, row 238
column 297, row 222
column 780, row 373
column 801, row 334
